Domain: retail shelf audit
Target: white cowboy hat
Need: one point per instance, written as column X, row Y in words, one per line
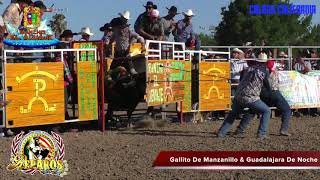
column 189, row 12
column 86, row 30
column 125, row 14
column 262, row 57
column 237, row 50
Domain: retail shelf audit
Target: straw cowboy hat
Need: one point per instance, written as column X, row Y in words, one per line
column 86, row 30
column 262, row 57
column 237, row 50
column 189, row 12
column 125, row 14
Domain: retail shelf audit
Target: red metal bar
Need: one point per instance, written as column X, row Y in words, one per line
column 102, row 118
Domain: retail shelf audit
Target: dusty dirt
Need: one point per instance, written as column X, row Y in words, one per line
column 129, row 154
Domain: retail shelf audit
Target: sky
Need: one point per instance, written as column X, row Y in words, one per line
column 95, row 13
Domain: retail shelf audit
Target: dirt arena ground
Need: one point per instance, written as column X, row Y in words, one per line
column 129, row 154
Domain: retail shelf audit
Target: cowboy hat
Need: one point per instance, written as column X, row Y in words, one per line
column 173, row 9
column 125, row 14
column 105, row 27
column 237, row 50
column 86, row 30
column 189, row 13
column 150, row 4
column 67, row 33
column 262, row 57
column 40, row 5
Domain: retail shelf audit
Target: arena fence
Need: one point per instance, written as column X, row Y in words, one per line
column 44, row 82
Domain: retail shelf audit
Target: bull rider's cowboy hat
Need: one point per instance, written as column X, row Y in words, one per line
column 173, row 9
column 67, row 33
column 237, row 50
column 189, row 13
column 263, row 57
column 125, row 14
column 86, row 30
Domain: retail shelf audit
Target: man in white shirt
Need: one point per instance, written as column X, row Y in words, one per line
column 237, row 66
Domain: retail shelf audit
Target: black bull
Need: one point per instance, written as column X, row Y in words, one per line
column 121, row 98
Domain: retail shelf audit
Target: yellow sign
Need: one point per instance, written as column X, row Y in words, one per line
column 87, row 90
column 36, row 93
column 167, row 81
column 215, row 89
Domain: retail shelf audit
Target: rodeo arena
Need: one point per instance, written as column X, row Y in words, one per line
column 150, row 86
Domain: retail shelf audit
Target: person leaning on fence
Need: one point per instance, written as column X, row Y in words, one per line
column 302, row 66
column 282, row 63
column 271, row 98
column 85, row 34
column 248, row 96
column 123, row 37
column 152, row 28
column 144, row 16
column 66, row 38
column 184, row 31
column 237, row 66
column 169, row 24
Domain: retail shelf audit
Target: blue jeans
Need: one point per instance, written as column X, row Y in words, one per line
column 280, row 102
column 257, row 106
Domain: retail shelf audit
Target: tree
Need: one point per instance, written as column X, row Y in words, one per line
column 207, row 39
column 58, row 24
column 238, row 26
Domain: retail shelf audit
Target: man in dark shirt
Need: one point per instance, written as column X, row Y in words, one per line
column 149, row 7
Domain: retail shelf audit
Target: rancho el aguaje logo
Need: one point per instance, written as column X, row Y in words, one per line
column 38, row 152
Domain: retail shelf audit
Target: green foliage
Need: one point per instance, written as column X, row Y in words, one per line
column 207, row 39
column 238, row 26
column 58, row 24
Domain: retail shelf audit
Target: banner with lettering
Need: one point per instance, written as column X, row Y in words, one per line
column 167, row 82
column 301, row 91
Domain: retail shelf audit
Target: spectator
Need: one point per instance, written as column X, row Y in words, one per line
column 315, row 55
column 184, row 31
column 248, row 95
column 13, row 14
column 152, row 28
column 85, row 33
column 282, row 63
column 123, row 38
column 107, row 30
column 302, row 66
column 144, row 16
column 237, row 66
column 169, row 24
column 66, row 38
